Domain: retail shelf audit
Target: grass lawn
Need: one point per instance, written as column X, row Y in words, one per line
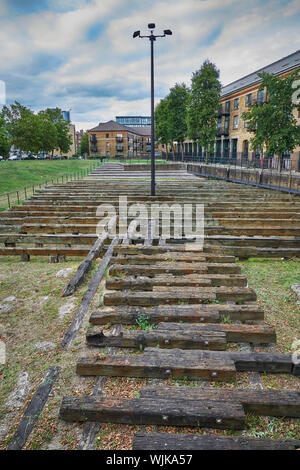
column 17, row 174
column 272, row 280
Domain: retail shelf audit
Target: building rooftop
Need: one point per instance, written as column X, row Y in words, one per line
column 145, row 130
column 283, row 65
column 113, row 126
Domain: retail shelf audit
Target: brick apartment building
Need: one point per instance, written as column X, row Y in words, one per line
column 233, row 138
column 111, row 139
column 78, row 138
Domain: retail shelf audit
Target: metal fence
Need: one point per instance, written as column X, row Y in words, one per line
column 17, row 196
column 237, row 159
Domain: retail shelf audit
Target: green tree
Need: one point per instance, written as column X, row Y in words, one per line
column 63, row 137
column 22, row 124
column 47, row 132
column 176, row 113
column 5, row 143
column 161, row 122
column 203, row 104
column 84, row 144
column 272, row 123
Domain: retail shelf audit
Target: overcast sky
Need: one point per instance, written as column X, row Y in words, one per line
column 80, row 55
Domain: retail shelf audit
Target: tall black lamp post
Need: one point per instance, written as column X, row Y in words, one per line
column 152, row 37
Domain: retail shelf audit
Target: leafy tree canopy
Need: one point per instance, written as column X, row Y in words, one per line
column 84, row 144
column 5, row 142
column 272, row 123
column 32, row 132
column 203, row 104
column 176, row 112
column 161, row 122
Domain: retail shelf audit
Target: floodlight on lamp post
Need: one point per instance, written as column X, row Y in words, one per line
column 152, row 37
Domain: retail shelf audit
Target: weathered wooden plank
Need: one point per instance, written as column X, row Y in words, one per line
column 88, row 297
column 171, row 295
column 45, row 251
column 244, row 362
column 158, row 366
column 210, row 313
column 261, row 402
column 154, row 338
column 186, row 442
column 34, row 409
column 147, row 283
column 235, row 333
column 85, row 266
column 176, row 269
column 159, row 411
column 186, row 257
column 223, row 293
column 156, row 298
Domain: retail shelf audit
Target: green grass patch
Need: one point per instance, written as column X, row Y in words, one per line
column 17, row 174
column 272, row 280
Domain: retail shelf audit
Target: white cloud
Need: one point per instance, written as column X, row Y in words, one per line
column 109, row 74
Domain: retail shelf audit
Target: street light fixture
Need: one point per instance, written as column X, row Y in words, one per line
column 152, row 37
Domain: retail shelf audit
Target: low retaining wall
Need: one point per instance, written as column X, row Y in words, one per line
column 159, row 166
column 265, row 178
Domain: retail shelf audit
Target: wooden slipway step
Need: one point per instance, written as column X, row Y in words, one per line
column 234, row 332
column 261, row 402
column 175, row 366
column 178, row 442
column 244, row 362
column 175, row 257
column 148, row 283
column 204, row 413
column 173, row 295
column 185, row 336
column 204, row 313
column 175, row 269
column 189, row 339
column 180, row 363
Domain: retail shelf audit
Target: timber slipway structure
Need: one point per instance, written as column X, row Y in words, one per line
column 208, row 326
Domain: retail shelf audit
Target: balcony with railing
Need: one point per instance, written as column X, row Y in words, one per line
column 224, row 110
column 223, row 130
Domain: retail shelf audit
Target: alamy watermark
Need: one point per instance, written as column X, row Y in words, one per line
column 2, row 93
column 176, row 221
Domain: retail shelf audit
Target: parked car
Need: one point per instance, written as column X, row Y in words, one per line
column 13, row 157
column 41, row 156
column 1, row 158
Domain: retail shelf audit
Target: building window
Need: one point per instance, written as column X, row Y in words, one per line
column 235, row 122
column 108, row 154
column 227, row 107
column 260, row 96
column 234, row 147
column 226, row 123
column 248, row 99
column 236, row 103
column 107, row 144
column 107, row 136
